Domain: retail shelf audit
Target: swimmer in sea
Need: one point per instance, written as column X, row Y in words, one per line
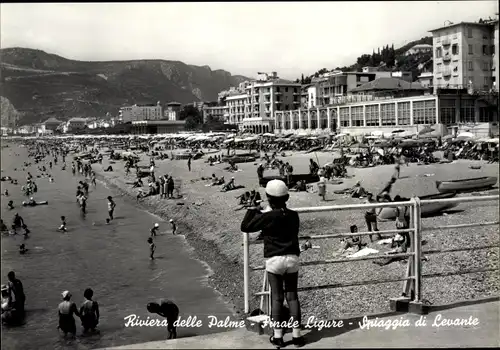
column 6, row 193
column 3, row 227
column 63, row 224
column 89, row 312
column 152, row 248
column 10, row 205
column 22, row 249
column 174, row 226
column 154, row 230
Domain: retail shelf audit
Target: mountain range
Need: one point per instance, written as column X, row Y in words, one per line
column 36, row 85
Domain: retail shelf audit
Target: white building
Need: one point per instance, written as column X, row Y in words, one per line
column 141, row 112
column 419, row 48
column 464, row 56
column 74, row 124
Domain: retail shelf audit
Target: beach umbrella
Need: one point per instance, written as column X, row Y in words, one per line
column 427, row 129
column 398, row 131
column 466, row 134
column 495, row 140
column 340, row 135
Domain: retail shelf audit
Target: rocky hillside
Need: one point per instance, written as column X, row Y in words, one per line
column 39, row 85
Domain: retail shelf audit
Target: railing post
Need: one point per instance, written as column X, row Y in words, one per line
column 417, row 239
column 246, row 271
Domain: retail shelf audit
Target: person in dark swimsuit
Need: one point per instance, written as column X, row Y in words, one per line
column 170, row 311
column 66, row 309
column 89, row 312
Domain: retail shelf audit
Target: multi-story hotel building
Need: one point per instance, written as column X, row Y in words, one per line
column 464, row 56
column 141, row 112
column 252, row 105
column 215, row 111
column 325, row 88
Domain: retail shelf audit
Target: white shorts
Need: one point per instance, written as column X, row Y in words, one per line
column 279, row 265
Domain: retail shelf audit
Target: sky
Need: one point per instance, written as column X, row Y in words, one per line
column 241, row 37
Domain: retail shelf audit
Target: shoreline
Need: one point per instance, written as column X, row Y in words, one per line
column 208, row 219
column 202, row 250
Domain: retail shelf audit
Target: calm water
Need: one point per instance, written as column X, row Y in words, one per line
column 113, row 260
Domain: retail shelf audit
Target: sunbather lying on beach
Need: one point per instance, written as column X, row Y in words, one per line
column 358, row 191
column 351, row 242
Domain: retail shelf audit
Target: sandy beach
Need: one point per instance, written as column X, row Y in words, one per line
column 207, row 218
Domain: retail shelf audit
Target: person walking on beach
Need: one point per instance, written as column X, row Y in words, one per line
column 371, row 216
column 170, row 187
column 280, row 231
column 66, row 311
column 189, row 163
column 111, row 207
column 89, row 312
column 170, row 311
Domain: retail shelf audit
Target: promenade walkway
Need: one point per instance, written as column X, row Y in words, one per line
column 485, row 334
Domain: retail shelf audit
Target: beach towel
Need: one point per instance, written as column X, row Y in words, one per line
column 363, row 252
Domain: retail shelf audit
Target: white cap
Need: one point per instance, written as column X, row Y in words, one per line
column 66, row 294
column 171, row 220
column 276, row 188
column 232, row 178
column 157, row 225
column 31, row 198
column 398, row 238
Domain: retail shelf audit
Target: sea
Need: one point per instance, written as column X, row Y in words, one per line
column 111, row 259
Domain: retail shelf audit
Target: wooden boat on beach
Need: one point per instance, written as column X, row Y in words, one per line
column 426, row 209
column 466, row 184
column 294, row 178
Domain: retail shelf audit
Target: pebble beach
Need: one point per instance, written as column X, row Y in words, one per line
column 207, row 218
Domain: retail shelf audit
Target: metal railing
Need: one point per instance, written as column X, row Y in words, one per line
column 413, row 279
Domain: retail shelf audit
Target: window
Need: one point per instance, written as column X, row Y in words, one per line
column 469, row 32
column 486, row 66
column 344, row 117
column 388, row 114
column 447, row 111
column 454, row 49
column 371, row 114
column 295, row 90
column 470, row 66
column 486, row 82
column 424, row 112
column 485, row 35
column 485, row 49
column 471, row 51
column 357, row 116
column 404, row 113
column 467, row 111
column 439, row 52
column 286, row 89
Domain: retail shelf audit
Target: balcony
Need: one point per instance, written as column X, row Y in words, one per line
column 447, row 73
column 446, row 42
column 439, row 75
column 447, row 58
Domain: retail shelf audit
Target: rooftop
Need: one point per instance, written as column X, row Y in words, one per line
column 389, row 84
column 460, row 24
column 52, row 120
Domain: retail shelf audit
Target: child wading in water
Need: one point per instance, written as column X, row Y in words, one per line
column 154, row 230
column 111, row 207
column 152, row 248
column 174, row 227
column 63, row 224
column 89, row 312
